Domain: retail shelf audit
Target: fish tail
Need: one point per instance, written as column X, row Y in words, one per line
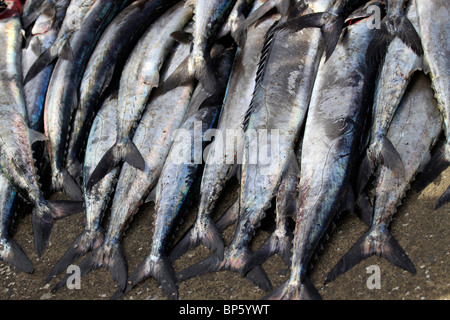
column 110, row 257
column 160, row 269
column 87, row 241
column 127, row 152
column 45, row 59
column 443, row 199
column 437, row 164
column 66, row 183
column 303, row 291
column 205, row 74
column 182, row 75
column 331, row 27
column 382, row 244
column 12, row 253
column 213, row 263
column 210, row 237
column 44, row 216
column 273, row 245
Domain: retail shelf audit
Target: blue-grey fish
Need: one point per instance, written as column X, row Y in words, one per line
column 399, row 64
column 16, row 156
column 140, row 75
column 113, row 47
column 153, row 137
column 414, row 130
column 43, row 35
column 62, row 93
column 284, row 82
column 101, row 137
column 10, row 251
column 434, row 25
column 330, row 152
column 179, row 175
column 224, row 159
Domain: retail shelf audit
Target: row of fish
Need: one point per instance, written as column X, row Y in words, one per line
column 116, row 103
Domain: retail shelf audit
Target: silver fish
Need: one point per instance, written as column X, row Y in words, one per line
column 153, row 136
column 140, row 75
column 434, row 25
column 414, row 130
column 179, row 176
column 16, row 157
column 284, row 83
column 62, row 93
column 113, row 47
column 224, row 161
column 400, row 63
column 330, row 151
column 101, row 137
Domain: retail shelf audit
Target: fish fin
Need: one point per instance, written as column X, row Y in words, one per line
column 182, row 36
column 229, row 217
column 364, row 173
column 128, row 153
column 181, row 76
column 43, row 218
column 443, row 199
column 437, row 164
column 88, row 240
column 409, row 36
column 36, row 136
column 152, row 196
column 70, row 186
column 304, row 291
column 209, row 236
column 44, row 60
column 214, row 263
column 12, row 253
column 369, row 244
column 206, row 76
column 365, row 209
column 161, row 270
column 75, row 169
column 240, row 34
column 378, row 47
column 65, row 52
column 112, row 258
column 273, row 245
column 133, row 156
column 391, row 158
column 331, row 33
column 36, row 46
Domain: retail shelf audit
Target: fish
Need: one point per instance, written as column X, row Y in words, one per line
column 10, row 250
column 108, row 57
column 331, row 22
column 153, row 137
column 280, row 240
column 43, row 35
column 16, row 138
column 179, row 176
column 223, row 160
column 283, row 87
column 101, row 137
column 139, row 76
column 73, row 19
column 210, row 17
column 415, row 129
column 330, row 152
column 434, row 24
column 62, row 93
column 399, row 64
